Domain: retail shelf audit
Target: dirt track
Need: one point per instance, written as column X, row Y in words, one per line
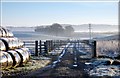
column 64, row 68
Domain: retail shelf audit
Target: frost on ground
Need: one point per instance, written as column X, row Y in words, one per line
column 108, row 48
column 103, row 67
column 32, row 65
column 103, row 70
column 108, row 61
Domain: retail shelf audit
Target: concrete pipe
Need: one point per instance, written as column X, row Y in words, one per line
column 13, row 52
column 15, row 43
column 6, row 32
column 23, row 56
column 9, row 41
column 16, row 58
column 10, row 34
column 27, row 52
column 3, row 60
column 3, row 32
column 20, row 44
column 0, row 33
column 12, row 42
column 4, row 46
column 9, row 60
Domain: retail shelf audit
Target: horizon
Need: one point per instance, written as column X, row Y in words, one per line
column 46, row 13
column 61, row 24
column 78, row 28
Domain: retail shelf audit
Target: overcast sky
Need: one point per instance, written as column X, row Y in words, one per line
column 44, row 13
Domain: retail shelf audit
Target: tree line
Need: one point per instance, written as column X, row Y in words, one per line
column 55, row 29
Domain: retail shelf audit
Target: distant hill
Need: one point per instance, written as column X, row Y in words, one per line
column 77, row 28
column 95, row 27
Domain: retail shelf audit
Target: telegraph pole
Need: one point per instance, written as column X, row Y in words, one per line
column 90, row 31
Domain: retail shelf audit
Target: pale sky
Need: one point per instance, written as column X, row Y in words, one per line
column 44, row 13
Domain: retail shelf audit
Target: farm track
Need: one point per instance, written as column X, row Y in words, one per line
column 64, row 68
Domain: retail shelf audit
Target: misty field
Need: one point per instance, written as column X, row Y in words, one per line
column 108, row 48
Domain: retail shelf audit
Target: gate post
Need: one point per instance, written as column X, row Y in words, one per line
column 40, row 44
column 36, row 48
column 51, row 44
column 45, row 47
column 94, row 49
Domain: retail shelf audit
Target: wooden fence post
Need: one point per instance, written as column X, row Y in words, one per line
column 78, row 44
column 36, row 48
column 40, row 44
column 45, row 47
column 51, row 44
column 48, row 44
column 94, row 49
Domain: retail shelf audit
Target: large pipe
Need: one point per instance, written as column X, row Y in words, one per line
column 3, row 60
column 23, row 55
column 0, row 33
column 16, row 58
column 12, row 50
column 5, row 32
column 20, row 43
column 27, row 51
column 9, row 60
column 12, row 43
column 4, row 46
column 6, row 60
column 10, row 34
column 13, row 58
